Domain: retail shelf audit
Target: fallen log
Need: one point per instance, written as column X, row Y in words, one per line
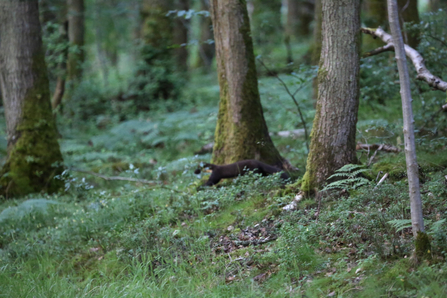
column 379, row 147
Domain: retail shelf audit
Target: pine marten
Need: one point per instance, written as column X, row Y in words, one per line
column 239, row 168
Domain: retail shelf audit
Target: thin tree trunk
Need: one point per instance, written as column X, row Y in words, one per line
column 181, row 29
column 206, row 48
column 34, row 157
column 76, row 38
column 334, row 127
column 300, row 13
column 241, row 131
column 375, row 15
column 417, row 219
column 59, row 91
column 99, row 38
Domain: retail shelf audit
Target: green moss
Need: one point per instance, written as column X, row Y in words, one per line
column 422, row 246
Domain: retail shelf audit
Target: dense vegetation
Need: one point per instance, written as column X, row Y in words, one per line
column 99, row 238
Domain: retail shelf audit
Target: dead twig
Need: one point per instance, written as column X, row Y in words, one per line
column 111, row 178
column 381, row 180
column 381, row 147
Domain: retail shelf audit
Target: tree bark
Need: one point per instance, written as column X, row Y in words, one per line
column 334, row 127
column 417, row 219
column 241, row 131
column 181, row 29
column 76, row 38
column 34, row 157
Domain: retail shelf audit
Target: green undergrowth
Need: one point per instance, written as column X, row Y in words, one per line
column 232, row 240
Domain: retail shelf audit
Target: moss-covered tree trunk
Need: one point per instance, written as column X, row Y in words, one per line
column 76, row 29
column 241, row 131
column 34, row 157
column 408, row 12
column 181, row 29
column 206, row 48
column 333, row 134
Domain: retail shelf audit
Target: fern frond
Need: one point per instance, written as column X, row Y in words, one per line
column 400, row 224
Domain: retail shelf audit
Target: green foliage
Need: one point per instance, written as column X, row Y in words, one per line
column 347, row 178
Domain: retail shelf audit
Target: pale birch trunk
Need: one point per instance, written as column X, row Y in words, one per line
column 417, row 219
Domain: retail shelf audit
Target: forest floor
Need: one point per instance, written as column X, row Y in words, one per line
column 101, row 238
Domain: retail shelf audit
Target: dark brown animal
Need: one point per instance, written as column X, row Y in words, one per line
column 239, row 168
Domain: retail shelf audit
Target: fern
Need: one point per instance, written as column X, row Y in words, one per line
column 436, row 227
column 347, row 178
column 400, row 224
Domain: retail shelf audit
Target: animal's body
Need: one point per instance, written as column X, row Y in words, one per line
column 239, row 168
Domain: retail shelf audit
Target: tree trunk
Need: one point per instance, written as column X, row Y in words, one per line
column 300, row 13
column 59, row 91
column 76, row 38
column 55, row 12
column 34, row 157
column 206, row 48
column 417, row 219
column 316, row 46
column 408, row 12
column 333, row 133
column 157, row 36
column 375, row 15
column 241, row 131
column 181, row 29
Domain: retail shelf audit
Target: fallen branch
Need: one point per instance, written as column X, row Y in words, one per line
column 152, row 182
column 255, row 242
column 418, row 61
column 381, row 180
column 380, row 147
